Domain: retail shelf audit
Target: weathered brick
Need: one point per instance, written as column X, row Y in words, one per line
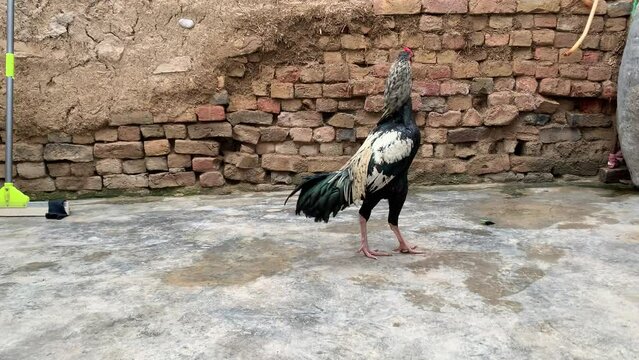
column 500, row 98
column 70, row 152
column 126, row 181
column 282, row 90
column 287, row 74
column 31, row 170
column 79, row 183
column 472, row 118
column 133, row 166
column 525, row 101
column 212, row 179
column 82, row 169
column 129, row 133
column 308, row 90
column 538, row 6
column 175, row 131
column 616, row 24
column 374, row 103
column 494, row 40
column 332, row 149
column 488, row 164
column 206, row 164
column 326, row 105
column 588, row 120
column 59, row 138
column 283, row 163
column 482, row 86
column 500, row 115
column 465, row 69
column 349, row 105
column 273, row 134
column 242, row 160
column 268, row 105
column 545, row 21
column 445, row 6
column 448, row 119
column 573, row 71
column 558, row 134
column 167, row 179
column 108, row 134
column 575, row 57
column 300, row 119
column 460, row 102
column 342, row 120
column 152, row 131
column 246, row 117
column 179, row 161
column 546, row 70
column 212, row 112
column 56, row 169
column 324, row 134
column 83, row 139
column 353, row 42
column 260, row 88
column 464, row 135
column 526, row 84
column 494, row 68
column 210, row 130
column 157, row 147
column 156, row 163
column 452, row 87
column 339, row 90
column 599, row 73
column 312, row 74
column 395, row 7
column 246, row 134
column 453, row 41
column 286, row 148
column 492, row 6
column 437, row 104
column 207, row 148
column 500, row 22
column 609, row 89
column 521, row 38
column 301, row 134
column 524, row 67
column 557, row 87
column 526, row 164
column 504, row 84
column 131, row 118
column 585, row 89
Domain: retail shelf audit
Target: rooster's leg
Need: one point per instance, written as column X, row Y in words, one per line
column 395, row 204
column 404, row 246
column 364, row 241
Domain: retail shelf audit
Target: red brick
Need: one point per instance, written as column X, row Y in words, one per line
column 288, row 74
column 599, row 73
column 308, row 90
column 500, row 98
column 212, row 179
column 342, row 120
column 368, row 86
column 292, row 163
column 338, row 72
column 426, row 88
column 448, row 119
column 565, row 40
column 268, row 105
column 210, row 113
column 439, row 72
column 300, row 119
column 238, row 117
column 206, row 164
column 558, row 87
column 242, row 160
column 526, row 84
column 210, row 130
column 616, row 24
column 546, row 70
column 525, row 102
column 79, row 183
column 546, row 21
column 609, row 89
column 497, row 39
column 176, row 161
column 504, row 84
column 273, row 134
column 590, row 57
column 472, row 118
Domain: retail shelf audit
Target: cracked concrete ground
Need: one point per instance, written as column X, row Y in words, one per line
column 238, row 276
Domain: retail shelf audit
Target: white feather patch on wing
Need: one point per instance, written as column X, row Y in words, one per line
column 390, row 147
column 377, row 180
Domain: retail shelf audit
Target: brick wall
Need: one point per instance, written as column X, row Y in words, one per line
column 493, row 94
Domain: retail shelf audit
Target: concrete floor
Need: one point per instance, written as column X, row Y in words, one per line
column 212, row 277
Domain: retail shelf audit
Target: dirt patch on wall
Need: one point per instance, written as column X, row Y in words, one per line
column 80, row 62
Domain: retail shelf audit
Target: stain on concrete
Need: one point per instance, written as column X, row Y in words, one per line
column 544, row 252
column 486, row 274
column 465, row 230
column 427, row 301
column 237, row 263
column 96, row 256
column 370, row 281
column 34, row 266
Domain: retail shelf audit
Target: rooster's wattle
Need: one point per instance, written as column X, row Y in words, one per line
column 378, row 170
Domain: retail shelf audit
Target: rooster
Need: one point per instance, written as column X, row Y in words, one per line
column 378, row 170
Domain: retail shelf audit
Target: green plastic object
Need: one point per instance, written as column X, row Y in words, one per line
column 10, row 65
column 11, row 197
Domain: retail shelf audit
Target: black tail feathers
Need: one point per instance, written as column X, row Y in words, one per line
column 320, row 196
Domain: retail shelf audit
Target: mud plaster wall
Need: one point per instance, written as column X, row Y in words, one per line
column 114, row 95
